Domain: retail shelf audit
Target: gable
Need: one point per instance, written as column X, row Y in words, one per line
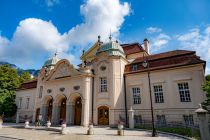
column 63, row 69
column 90, row 54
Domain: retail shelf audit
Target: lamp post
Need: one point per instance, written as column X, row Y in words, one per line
column 145, row 64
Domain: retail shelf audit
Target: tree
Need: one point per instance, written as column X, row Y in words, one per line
column 206, row 88
column 9, row 81
column 25, row 76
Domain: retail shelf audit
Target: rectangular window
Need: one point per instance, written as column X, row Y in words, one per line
column 161, row 120
column 137, row 119
column 136, row 96
column 103, row 84
column 134, row 67
column 40, row 91
column 158, row 91
column 20, row 103
column 27, row 103
column 184, row 92
column 188, row 119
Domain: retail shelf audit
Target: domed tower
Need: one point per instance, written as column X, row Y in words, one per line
column 50, row 63
column 109, row 85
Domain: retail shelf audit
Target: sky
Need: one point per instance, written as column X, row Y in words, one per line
column 31, row 31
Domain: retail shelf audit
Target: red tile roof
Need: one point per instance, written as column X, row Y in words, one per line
column 165, row 60
column 132, row 48
column 28, row 85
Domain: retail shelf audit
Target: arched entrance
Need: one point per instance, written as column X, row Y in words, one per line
column 78, row 111
column 49, row 110
column 62, row 110
column 103, row 115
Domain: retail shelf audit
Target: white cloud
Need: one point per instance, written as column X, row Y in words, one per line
column 51, row 3
column 34, row 39
column 159, row 42
column 198, row 41
column 100, row 16
column 153, row 30
column 193, row 33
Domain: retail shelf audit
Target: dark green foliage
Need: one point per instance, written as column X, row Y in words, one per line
column 9, row 81
column 206, row 88
column 25, row 76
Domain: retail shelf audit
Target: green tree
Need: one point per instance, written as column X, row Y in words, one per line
column 206, row 88
column 9, row 81
column 25, row 76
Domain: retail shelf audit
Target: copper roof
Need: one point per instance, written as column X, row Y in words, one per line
column 169, row 59
column 132, row 48
column 28, row 85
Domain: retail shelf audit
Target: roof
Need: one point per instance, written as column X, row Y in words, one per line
column 132, row 48
column 111, row 48
column 165, row 60
column 28, row 85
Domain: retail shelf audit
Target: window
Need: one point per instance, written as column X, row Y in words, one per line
column 20, row 103
column 161, row 120
column 27, row 103
column 158, row 91
column 103, row 84
column 137, row 119
column 134, row 67
column 184, row 92
column 136, row 96
column 40, row 91
column 188, row 119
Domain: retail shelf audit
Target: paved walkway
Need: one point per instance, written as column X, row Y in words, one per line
column 79, row 133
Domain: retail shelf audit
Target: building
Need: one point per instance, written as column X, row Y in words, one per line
column 110, row 81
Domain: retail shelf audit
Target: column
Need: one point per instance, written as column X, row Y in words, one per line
column 17, row 117
column 85, row 113
column 131, row 118
column 55, row 114
column 203, row 123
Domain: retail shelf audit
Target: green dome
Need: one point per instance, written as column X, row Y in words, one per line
column 111, row 48
column 52, row 61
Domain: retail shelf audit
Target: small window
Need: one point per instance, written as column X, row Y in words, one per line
column 103, row 84
column 40, row 91
column 134, row 67
column 158, row 91
column 161, row 120
column 137, row 119
column 188, row 119
column 136, row 96
column 184, row 92
column 27, row 103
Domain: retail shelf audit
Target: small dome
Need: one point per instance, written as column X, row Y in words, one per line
column 52, row 61
column 112, row 48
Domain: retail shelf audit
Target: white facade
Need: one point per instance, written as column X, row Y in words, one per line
column 102, row 90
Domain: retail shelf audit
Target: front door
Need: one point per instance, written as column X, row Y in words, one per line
column 103, row 115
column 37, row 114
column 78, row 111
column 49, row 111
column 63, row 110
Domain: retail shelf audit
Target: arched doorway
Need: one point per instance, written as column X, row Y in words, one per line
column 62, row 110
column 78, row 111
column 103, row 115
column 49, row 110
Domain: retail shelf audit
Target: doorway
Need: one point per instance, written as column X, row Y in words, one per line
column 49, row 110
column 103, row 115
column 63, row 110
column 78, row 111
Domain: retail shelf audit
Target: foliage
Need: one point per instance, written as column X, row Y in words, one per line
column 206, row 88
column 25, row 76
column 9, row 81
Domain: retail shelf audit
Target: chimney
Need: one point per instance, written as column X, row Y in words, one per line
column 146, row 45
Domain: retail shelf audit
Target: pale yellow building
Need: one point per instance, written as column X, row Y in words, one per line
column 112, row 80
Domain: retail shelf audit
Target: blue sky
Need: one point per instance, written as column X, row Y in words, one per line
column 31, row 31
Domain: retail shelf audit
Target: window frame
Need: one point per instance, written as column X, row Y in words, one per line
column 184, row 91
column 158, row 93
column 134, row 67
column 40, row 91
column 20, row 102
column 27, row 102
column 103, row 84
column 136, row 95
column 188, row 120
